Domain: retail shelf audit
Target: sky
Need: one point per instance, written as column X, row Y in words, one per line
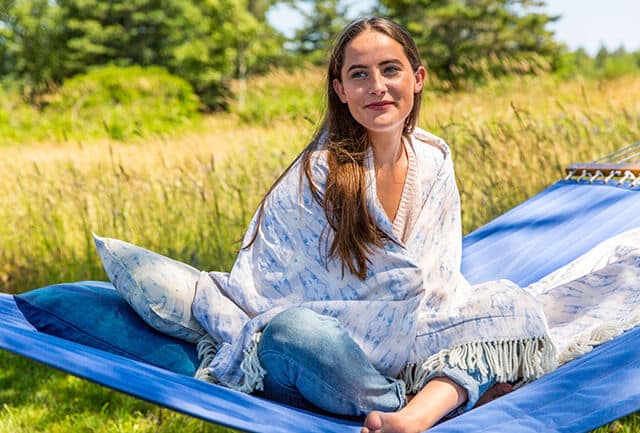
column 589, row 24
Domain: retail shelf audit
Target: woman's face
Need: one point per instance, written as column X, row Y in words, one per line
column 377, row 82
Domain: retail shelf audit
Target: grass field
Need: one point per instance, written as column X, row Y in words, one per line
column 191, row 195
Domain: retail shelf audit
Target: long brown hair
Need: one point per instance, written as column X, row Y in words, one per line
column 355, row 232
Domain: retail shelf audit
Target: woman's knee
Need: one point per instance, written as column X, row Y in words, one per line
column 314, row 354
column 299, row 330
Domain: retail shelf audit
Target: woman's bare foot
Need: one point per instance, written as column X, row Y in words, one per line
column 437, row 398
column 389, row 422
column 497, row 390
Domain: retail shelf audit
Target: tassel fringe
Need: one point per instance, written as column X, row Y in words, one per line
column 253, row 371
column 207, row 349
column 586, row 342
column 507, row 360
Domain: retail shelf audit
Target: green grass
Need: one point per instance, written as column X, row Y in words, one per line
column 190, row 196
column 628, row 424
column 34, row 398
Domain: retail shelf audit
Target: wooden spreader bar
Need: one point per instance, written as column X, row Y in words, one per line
column 621, row 167
column 605, row 168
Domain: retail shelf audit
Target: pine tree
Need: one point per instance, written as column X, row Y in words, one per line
column 207, row 42
column 474, row 39
column 323, row 20
column 30, row 44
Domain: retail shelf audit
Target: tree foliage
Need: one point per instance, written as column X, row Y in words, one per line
column 606, row 64
column 211, row 42
column 30, row 43
column 322, row 21
column 207, row 42
column 472, row 39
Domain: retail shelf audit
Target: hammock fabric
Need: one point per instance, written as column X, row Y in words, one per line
column 526, row 243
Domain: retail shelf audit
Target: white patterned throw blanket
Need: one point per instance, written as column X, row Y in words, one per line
column 414, row 311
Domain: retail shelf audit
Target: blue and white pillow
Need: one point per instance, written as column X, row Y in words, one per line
column 159, row 289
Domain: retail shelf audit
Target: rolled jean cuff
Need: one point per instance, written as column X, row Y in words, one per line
column 471, row 381
column 401, row 392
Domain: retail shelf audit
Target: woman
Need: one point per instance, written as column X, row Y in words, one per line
column 347, row 295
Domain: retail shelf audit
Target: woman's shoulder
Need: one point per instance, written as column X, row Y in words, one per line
column 296, row 179
column 319, row 163
column 426, row 142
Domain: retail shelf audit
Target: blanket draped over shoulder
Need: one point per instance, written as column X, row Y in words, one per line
column 414, row 311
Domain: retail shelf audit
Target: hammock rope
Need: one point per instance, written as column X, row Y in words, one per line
column 621, row 166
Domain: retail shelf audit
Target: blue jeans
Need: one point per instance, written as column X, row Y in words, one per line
column 311, row 362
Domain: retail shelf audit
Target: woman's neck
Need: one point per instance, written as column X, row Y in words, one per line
column 391, row 165
column 387, row 148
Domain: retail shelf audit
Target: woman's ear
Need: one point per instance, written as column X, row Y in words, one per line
column 420, row 76
column 339, row 89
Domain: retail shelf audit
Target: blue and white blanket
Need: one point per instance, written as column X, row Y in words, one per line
column 413, row 312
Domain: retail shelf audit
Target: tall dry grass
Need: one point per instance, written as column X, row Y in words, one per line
column 188, row 197
column 514, row 138
column 191, row 196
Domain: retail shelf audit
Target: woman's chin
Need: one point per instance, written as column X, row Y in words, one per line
column 382, row 127
column 383, row 122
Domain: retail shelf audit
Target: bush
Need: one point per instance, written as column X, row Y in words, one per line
column 115, row 102
column 281, row 95
column 604, row 65
column 18, row 120
column 125, row 101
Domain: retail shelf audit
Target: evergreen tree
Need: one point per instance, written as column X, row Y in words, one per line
column 30, row 44
column 208, row 42
column 473, row 39
column 259, row 46
column 601, row 57
column 323, row 20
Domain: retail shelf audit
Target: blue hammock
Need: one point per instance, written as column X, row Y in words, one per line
column 526, row 243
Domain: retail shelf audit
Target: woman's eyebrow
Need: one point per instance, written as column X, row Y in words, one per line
column 357, row 67
column 394, row 61
column 384, row 62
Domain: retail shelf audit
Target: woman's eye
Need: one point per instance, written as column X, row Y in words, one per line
column 390, row 70
column 358, row 74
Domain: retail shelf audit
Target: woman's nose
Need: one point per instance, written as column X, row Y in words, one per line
column 377, row 84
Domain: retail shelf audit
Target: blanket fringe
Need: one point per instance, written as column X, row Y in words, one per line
column 506, row 360
column 585, row 343
column 207, row 349
column 253, row 371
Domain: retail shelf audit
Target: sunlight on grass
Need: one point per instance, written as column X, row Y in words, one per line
column 35, row 398
column 190, row 196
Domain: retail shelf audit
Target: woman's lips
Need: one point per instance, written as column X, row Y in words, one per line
column 382, row 105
